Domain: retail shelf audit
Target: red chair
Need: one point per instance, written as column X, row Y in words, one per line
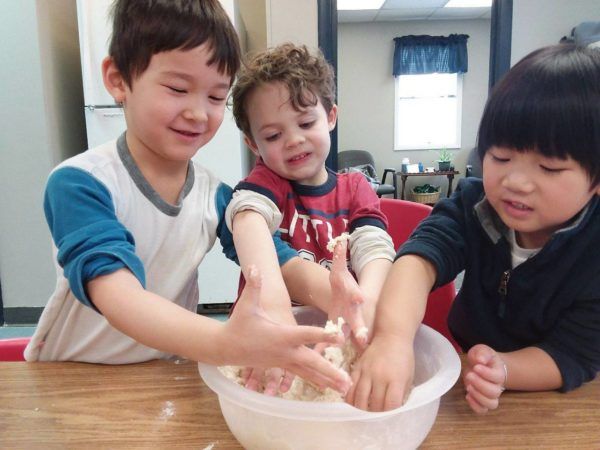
column 403, row 217
column 12, row 349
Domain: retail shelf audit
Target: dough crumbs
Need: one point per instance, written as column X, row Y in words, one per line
column 362, row 333
column 335, row 328
column 341, row 357
column 333, row 242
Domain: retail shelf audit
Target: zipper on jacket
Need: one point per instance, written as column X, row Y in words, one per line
column 503, row 290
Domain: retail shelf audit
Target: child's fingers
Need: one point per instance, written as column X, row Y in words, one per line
column 482, row 399
column 339, row 252
column 320, row 347
column 377, row 397
column 245, row 374
column 494, row 374
column 474, row 404
column 254, row 379
column 488, row 388
column 360, row 391
column 286, row 381
column 480, row 354
column 272, row 380
column 313, row 367
column 395, row 396
column 305, row 335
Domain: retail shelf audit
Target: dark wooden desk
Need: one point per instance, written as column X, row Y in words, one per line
column 448, row 173
column 164, row 405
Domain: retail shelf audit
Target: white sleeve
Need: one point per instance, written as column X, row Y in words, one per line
column 249, row 200
column 368, row 243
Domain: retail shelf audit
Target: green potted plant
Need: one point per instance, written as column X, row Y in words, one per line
column 444, row 160
column 426, row 193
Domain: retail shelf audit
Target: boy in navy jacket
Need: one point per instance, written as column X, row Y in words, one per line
column 527, row 236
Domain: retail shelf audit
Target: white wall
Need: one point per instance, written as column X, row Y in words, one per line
column 366, row 88
column 537, row 23
column 39, row 127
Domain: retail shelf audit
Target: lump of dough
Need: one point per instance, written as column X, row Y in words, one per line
column 333, row 242
column 342, row 357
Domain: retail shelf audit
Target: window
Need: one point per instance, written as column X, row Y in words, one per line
column 428, row 111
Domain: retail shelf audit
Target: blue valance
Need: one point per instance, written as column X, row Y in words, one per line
column 415, row 55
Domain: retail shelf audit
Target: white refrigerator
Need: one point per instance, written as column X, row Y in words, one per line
column 217, row 277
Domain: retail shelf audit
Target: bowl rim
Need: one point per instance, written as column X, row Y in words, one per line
column 427, row 392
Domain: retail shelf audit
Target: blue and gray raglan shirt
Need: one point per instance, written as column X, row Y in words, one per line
column 103, row 216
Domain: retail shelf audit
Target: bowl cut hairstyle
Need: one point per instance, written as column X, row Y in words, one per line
column 548, row 102
column 143, row 28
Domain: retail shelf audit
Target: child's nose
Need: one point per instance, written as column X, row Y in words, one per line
column 518, row 181
column 294, row 139
column 196, row 112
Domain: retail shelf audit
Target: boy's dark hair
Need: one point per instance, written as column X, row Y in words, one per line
column 143, row 28
column 308, row 78
column 548, row 102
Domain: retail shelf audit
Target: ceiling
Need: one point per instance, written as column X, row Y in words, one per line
column 398, row 10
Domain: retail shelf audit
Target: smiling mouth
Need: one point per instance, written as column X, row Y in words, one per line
column 519, row 206
column 186, row 133
column 298, row 157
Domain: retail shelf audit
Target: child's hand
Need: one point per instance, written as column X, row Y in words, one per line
column 272, row 380
column 347, row 298
column 484, row 378
column 383, row 375
column 252, row 338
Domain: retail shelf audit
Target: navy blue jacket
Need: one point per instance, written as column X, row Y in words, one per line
column 550, row 301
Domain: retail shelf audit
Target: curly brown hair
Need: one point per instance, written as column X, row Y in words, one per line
column 307, row 77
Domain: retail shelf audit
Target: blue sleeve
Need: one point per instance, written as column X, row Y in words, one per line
column 90, row 239
column 223, row 196
column 441, row 237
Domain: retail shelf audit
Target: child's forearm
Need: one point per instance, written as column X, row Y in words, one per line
column 403, row 298
column 372, row 278
column 155, row 321
column 531, row 369
column 254, row 246
column 307, row 283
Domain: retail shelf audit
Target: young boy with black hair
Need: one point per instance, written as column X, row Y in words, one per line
column 527, row 236
column 133, row 218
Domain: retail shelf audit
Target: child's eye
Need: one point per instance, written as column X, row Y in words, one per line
column 306, row 125
column 498, row 159
column 217, row 99
column 179, row 91
column 272, row 137
column 552, row 169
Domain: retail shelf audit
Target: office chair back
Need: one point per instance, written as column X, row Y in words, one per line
column 357, row 158
column 353, row 158
column 403, row 217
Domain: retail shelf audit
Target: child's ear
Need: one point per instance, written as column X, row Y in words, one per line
column 113, row 80
column 332, row 117
column 251, row 144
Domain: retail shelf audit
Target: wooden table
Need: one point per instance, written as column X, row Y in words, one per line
column 447, row 173
column 162, row 404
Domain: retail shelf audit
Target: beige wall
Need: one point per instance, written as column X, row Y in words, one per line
column 366, row 87
column 537, row 23
column 292, row 21
column 254, row 17
column 42, row 123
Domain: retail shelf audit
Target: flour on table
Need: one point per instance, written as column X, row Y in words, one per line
column 342, row 357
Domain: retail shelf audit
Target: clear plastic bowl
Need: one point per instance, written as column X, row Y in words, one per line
column 262, row 422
